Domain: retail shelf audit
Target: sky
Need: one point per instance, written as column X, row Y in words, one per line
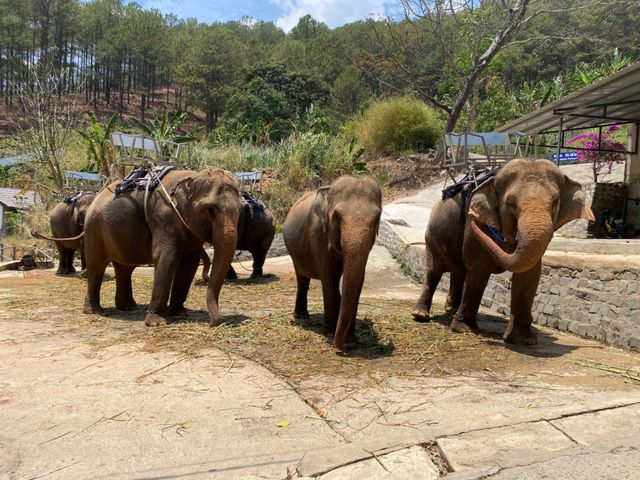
column 285, row 13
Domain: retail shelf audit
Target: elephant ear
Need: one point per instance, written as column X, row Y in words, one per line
column 573, row 204
column 484, row 202
column 186, row 186
column 321, row 207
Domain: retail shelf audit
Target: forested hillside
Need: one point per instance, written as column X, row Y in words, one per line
column 304, row 106
column 252, row 75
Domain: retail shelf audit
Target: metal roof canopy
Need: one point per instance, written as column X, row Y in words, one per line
column 613, row 100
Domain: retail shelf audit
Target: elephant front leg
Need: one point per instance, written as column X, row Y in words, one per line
column 331, row 298
column 182, row 282
column 206, row 266
column 475, row 282
column 165, row 264
column 523, row 290
column 301, row 310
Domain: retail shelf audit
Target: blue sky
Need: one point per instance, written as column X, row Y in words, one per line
column 284, row 12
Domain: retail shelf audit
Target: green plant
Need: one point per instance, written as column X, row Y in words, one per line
column 394, row 126
column 100, row 153
column 165, row 128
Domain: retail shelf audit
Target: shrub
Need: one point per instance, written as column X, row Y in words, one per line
column 394, row 126
column 300, row 162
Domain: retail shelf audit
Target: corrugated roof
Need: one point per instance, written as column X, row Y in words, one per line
column 88, row 176
column 15, row 160
column 614, row 99
column 16, row 198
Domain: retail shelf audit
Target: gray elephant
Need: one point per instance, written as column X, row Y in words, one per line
column 67, row 221
column 167, row 229
column 256, row 229
column 504, row 224
column 329, row 234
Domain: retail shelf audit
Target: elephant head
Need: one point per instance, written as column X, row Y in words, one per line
column 80, row 209
column 526, row 202
column 349, row 214
column 211, row 204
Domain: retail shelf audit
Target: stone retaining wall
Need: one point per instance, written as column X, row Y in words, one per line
column 594, row 296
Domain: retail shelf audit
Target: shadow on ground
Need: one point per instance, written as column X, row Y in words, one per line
column 369, row 344
column 192, row 316
column 493, row 327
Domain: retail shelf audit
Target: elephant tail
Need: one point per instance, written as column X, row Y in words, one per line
column 54, row 239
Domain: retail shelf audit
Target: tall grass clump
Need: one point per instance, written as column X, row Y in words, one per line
column 300, row 162
column 394, row 126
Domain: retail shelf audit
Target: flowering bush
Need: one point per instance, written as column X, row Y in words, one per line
column 593, row 144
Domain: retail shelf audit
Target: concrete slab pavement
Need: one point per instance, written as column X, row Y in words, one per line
column 70, row 411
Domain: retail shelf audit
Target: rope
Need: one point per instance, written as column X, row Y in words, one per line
column 238, row 253
column 170, row 200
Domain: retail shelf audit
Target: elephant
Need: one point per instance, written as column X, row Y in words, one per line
column 67, row 220
column 256, row 229
column 329, row 234
column 505, row 224
column 167, row 229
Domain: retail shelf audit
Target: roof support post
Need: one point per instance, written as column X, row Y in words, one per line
column 560, row 141
column 632, row 165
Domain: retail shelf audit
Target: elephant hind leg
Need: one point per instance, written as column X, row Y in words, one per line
column 182, row 282
column 454, row 298
column 124, row 290
column 259, row 257
column 474, row 285
column 301, row 309
column 95, row 275
column 432, row 275
column 231, row 273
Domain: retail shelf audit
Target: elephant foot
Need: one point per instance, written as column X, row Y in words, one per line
column 301, row 315
column 450, row 307
column 90, row 309
column 519, row 336
column 421, row 315
column 231, row 275
column 154, row 320
column 205, row 279
column 256, row 274
column 461, row 326
column 127, row 305
column 177, row 312
column 350, row 343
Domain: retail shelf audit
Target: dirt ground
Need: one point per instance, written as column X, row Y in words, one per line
column 102, row 396
column 258, row 325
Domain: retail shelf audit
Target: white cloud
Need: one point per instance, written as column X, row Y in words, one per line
column 331, row 12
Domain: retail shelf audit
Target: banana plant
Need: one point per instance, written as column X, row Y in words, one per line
column 100, row 153
column 165, row 128
column 168, row 129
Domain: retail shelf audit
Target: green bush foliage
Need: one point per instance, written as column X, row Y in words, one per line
column 300, row 162
column 394, row 126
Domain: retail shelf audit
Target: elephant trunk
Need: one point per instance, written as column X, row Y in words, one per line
column 535, row 230
column 356, row 243
column 225, row 238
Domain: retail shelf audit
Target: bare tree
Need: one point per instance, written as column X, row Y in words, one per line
column 467, row 35
column 49, row 117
